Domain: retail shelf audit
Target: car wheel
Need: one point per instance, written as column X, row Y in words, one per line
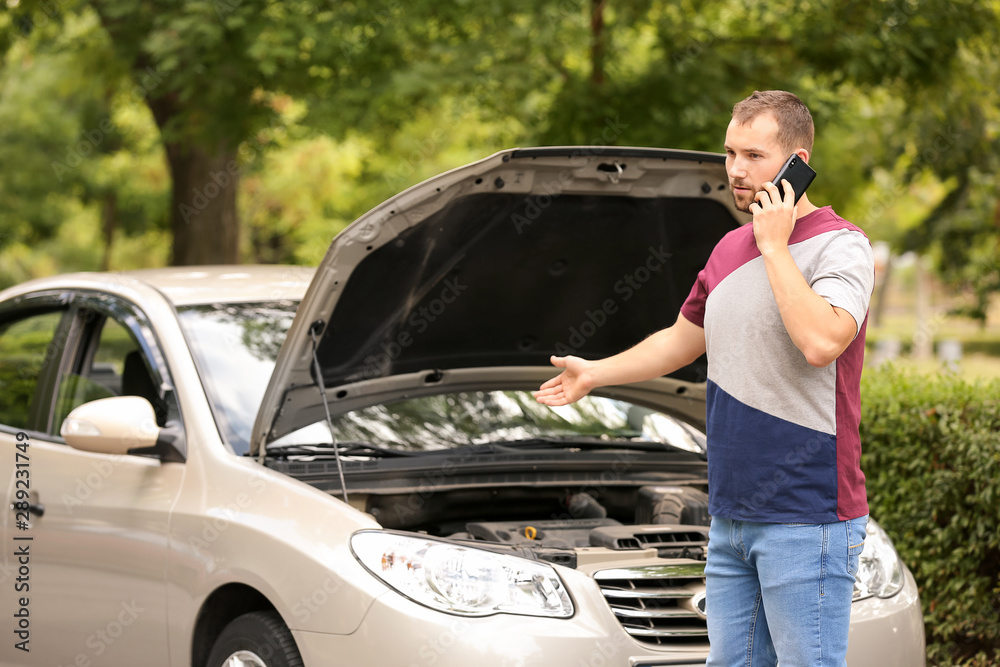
column 257, row 639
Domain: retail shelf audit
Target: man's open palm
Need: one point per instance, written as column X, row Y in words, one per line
column 569, row 386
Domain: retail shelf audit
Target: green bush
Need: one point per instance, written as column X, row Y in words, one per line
column 932, row 457
column 970, row 345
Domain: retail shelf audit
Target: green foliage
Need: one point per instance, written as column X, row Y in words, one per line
column 905, row 95
column 296, row 199
column 306, row 188
column 932, row 457
column 24, row 345
column 75, row 145
column 74, row 391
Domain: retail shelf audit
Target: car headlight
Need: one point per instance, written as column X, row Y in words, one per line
column 461, row 580
column 880, row 572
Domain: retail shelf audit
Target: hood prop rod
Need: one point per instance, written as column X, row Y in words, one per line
column 314, row 330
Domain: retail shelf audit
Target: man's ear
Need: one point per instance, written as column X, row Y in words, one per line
column 802, row 153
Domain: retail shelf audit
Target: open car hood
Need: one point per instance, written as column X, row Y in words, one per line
column 501, row 263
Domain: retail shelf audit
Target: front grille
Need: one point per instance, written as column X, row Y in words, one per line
column 658, row 603
column 668, row 540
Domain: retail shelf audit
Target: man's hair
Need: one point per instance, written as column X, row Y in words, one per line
column 795, row 123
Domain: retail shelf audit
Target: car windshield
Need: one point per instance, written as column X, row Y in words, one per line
column 235, row 347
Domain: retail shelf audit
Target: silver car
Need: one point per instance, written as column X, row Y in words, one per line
column 275, row 466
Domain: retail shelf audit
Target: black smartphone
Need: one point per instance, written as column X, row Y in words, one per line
column 799, row 174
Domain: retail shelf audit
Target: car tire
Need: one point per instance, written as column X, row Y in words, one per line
column 257, row 639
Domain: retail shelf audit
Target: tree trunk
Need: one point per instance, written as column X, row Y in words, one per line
column 109, row 212
column 880, row 296
column 203, row 213
column 205, row 177
column 923, row 337
column 597, row 42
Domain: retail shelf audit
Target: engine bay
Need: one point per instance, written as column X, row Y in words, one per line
column 551, row 523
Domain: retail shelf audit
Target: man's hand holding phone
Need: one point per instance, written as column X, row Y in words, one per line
column 774, row 209
column 773, row 217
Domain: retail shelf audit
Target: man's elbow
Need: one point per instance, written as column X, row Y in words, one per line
column 820, row 360
column 823, row 353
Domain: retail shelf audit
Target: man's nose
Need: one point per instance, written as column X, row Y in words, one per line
column 737, row 169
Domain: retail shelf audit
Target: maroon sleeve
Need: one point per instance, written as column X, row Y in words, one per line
column 693, row 309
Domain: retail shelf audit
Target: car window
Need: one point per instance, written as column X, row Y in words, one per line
column 235, row 346
column 114, row 345
column 26, row 345
column 109, row 362
column 99, row 372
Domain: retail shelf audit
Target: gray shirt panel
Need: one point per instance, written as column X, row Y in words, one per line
column 750, row 354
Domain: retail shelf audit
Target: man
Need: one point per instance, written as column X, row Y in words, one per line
column 780, row 309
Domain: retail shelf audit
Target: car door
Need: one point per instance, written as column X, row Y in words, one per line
column 31, row 338
column 98, row 531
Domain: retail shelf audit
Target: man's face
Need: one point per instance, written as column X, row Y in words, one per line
column 753, row 157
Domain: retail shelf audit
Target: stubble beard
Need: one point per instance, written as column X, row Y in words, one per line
column 744, row 203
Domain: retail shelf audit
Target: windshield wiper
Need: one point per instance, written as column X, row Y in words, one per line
column 572, row 442
column 347, row 448
column 357, row 448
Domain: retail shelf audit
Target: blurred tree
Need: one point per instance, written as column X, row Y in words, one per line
column 901, row 91
column 70, row 137
column 215, row 75
column 958, row 141
column 221, row 75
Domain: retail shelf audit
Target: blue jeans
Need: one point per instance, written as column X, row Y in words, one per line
column 781, row 592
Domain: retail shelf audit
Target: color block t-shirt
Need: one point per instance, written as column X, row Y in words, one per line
column 783, row 443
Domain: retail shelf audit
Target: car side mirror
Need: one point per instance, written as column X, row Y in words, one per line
column 112, row 425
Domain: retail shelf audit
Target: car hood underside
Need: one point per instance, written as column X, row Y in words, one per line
column 503, row 263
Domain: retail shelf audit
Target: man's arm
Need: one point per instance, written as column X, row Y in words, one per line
column 821, row 331
column 663, row 352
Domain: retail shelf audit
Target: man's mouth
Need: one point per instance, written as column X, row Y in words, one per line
column 742, row 186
